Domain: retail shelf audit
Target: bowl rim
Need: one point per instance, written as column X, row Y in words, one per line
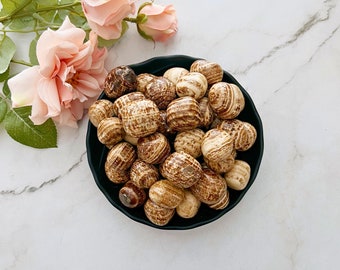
column 168, row 61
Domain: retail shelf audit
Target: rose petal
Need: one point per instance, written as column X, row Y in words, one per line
column 65, row 92
column 107, row 32
column 77, row 109
column 39, row 112
column 48, row 93
column 88, row 85
column 162, row 20
column 117, row 16
column 98, row 12
column 65, row 73
column 152, row 9
column 105, row 18
column 66, row 118
column 55, row 45
column 82, row 59
column 95, row 2
column 98, row 57
column 23, row 86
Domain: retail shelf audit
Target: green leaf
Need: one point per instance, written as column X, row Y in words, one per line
column 29, row 15
column 49, row 3
column 4, row 76
column 13, row 13
column 6, row 90
column 21, row 128
column 3, row 108
column 50, row 17
column 21, row 17
column 77, row 20
column 53, row 13
column 9, row 6
column 33, row 51
column 86, row 28
column 23, row 23
column 46, row 3
column 106, row 43
column 7, row 50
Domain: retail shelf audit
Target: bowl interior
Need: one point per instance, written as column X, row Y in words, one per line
column 96, row 152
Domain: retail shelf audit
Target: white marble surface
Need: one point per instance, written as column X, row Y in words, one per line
column 287, row 55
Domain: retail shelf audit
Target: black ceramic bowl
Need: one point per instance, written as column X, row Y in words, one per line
column 96, row 152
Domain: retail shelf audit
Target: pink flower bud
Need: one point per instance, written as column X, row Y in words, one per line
column 105, row 17
column 160, row 23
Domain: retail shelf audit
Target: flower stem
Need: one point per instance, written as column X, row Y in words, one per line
column 34, row 30
column 141, row 18
column 8, row 16
column 41, row 19
column 14, row 14
column 133, row 20
column 21, row 62
column 50, row 8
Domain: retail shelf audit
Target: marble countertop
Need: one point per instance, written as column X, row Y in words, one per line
column 286, row 54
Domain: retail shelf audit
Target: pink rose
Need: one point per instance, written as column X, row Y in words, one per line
column 161, row 22
column 105, row 17
column 68, row 79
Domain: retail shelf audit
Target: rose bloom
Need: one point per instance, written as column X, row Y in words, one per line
column 161, row 22
column 105, row 17
column 68, row 79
